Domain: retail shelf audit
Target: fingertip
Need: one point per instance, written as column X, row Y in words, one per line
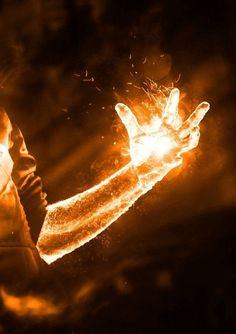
column 204, row 105
column 119, row 106
column 175, row 91
column 174, row 94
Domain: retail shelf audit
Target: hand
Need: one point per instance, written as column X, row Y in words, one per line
column 156, row 148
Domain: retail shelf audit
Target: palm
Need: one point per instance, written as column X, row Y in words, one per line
column 161, row 143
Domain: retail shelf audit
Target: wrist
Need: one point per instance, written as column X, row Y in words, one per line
column 147, row 176
column 149, row 173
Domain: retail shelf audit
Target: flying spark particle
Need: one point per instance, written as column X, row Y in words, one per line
column 179, row 76
column 89, row 80
column 138, row 87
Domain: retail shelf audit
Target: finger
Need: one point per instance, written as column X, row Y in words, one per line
column 195, row 118
column 171, row 109
column 128, row 119
column 191, row 141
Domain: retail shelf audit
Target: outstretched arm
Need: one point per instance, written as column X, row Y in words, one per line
column 154, row 152
column 73, row 222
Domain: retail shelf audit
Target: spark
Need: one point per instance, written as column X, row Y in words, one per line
column 179, row 76
column 88, row 79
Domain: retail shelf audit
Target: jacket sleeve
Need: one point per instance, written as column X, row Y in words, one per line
column 28, row 184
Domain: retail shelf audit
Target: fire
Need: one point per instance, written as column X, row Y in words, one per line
column 155, row 149
column 159, row 147
column 164, row 145
column 5, row 175
column 30, row 305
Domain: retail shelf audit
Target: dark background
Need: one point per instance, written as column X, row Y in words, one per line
column 168, row 265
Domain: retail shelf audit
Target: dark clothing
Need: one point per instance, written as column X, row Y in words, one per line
column 29, row 185
column 21, row 197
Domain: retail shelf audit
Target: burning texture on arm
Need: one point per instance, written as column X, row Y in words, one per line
column 156, row 147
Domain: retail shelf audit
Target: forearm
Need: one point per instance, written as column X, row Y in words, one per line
column 71, row 223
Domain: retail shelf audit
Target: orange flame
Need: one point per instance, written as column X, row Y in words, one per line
column 29, row 305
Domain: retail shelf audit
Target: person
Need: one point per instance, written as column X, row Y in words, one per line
column 22, row 200
column 155, row 149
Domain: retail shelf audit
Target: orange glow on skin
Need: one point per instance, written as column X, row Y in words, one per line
column 155, row 149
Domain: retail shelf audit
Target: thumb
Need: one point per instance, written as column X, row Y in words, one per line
column 128, row 119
